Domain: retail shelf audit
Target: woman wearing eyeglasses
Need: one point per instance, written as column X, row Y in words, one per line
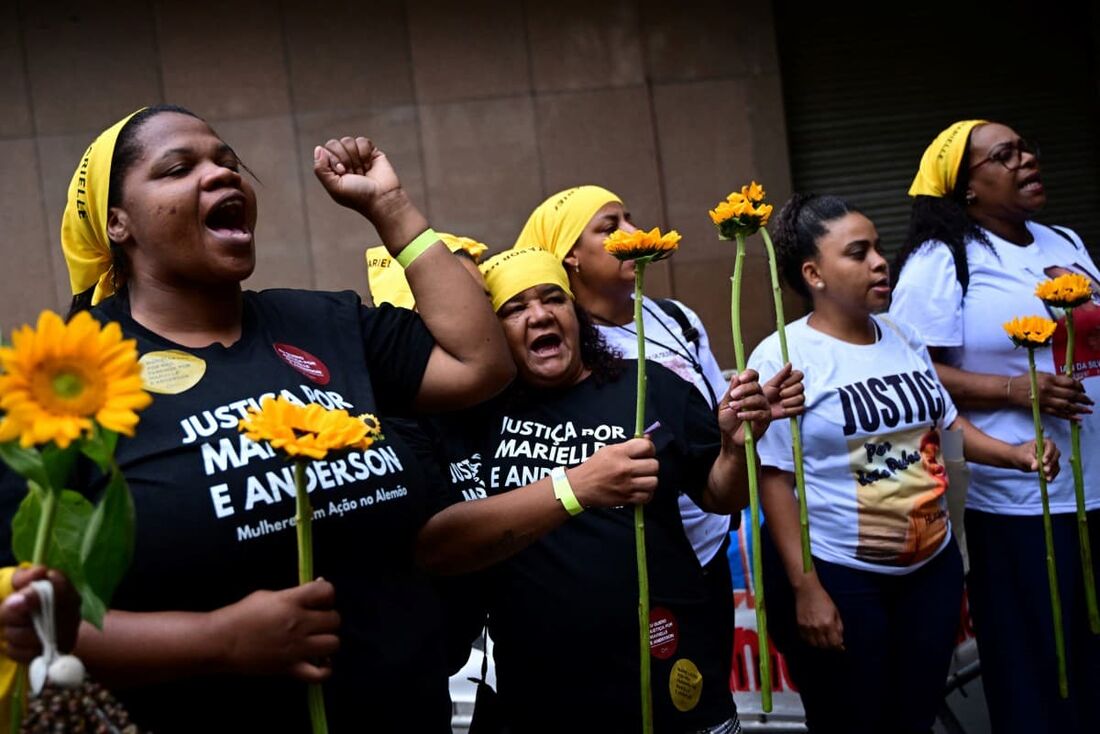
column 971, row 261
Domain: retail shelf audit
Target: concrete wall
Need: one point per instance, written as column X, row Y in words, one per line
column 485, row 107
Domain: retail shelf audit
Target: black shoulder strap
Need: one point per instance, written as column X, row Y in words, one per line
column 671, row 308
column 1065, row 235
column 962, row 270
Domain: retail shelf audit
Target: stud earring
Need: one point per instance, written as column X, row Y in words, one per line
column 971, row 197
column 820, row 285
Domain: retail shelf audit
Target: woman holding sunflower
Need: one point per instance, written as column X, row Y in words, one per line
column 971, row 261
column 555, row 456
column 868, row 633
column 572, row 225
column 207, row 630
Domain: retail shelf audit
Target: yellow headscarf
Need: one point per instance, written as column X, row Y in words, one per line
column 84, row 224
column 939, row 166
column 514, row 271
column 386, row 277
column 557, row 222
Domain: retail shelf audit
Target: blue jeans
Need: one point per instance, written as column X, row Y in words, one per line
column 1010, row 604
column 899, row 633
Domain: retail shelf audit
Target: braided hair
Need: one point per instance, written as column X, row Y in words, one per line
column 801, row 222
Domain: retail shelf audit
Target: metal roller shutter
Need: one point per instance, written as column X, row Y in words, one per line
column 866, row 88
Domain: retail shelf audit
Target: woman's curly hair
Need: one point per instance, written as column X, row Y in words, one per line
column 944, row 219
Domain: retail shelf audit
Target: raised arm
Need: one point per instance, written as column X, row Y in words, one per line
column 470, row 362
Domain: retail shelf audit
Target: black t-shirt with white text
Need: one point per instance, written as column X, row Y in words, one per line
column 214, row 512
column 564, row 611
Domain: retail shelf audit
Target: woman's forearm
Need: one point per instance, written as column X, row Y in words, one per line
column 473, row 535
column 140, row 648
column 727, row 489
column 977, row 390
column 780, row 507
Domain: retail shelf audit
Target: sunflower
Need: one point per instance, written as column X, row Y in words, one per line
column 308, row 430
column 741, row 212
column 754, row 192
column 1030, row 331
column 638, row 244
column 58, row 378
column 1065, row 291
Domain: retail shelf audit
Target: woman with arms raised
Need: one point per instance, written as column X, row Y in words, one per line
column 208, row 630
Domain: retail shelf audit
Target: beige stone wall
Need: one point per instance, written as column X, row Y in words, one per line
column 485, row 107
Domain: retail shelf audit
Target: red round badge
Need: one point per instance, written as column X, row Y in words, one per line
column 303, row 362
column 664, row 633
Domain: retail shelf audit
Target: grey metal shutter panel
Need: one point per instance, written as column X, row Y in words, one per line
column 867, row 88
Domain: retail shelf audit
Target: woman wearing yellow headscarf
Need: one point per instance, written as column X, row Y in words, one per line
column 386, row 278
column 555, row 458
column 572, row 225
column 971, row 261
column 208, row 630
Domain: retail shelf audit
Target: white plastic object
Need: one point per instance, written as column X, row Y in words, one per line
column 64, row 671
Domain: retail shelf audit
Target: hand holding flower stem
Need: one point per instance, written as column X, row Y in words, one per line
column 754, row 492
column 643, row 248
column 1033, row 332
column 796, row 433
column 303, row 433
column 1068, row 292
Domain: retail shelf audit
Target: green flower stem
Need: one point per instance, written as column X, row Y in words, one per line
column 1079, row 491
column 639, row 515
column 304, row 524
column 45, row 526
column 796, row 433
column 754, row 493
column 1052, row 572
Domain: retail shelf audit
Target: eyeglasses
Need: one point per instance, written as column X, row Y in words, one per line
column 1010, row 155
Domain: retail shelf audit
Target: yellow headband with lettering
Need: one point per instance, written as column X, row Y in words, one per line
column 84, row 239
column 514, row 271
column 386, row 277
column 939, row 166
column 558, row 222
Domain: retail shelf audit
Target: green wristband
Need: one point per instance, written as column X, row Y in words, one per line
column 563, row 491
column 416, row 248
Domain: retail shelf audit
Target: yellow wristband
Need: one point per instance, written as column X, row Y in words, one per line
column 563, row 491
column 416, row 248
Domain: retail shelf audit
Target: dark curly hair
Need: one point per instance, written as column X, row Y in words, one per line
column 944, row 219
column 800, row 223
column 605, row 361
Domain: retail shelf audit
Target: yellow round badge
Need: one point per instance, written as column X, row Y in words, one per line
column 171, row 371
column 685, row 685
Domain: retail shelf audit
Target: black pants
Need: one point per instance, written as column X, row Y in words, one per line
column 899, row 633
column 1010, row 603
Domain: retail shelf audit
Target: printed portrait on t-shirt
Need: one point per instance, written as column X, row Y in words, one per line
column 1086, row 319
column 900, row 483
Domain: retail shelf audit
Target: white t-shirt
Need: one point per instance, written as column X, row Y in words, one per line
column 875, row 478
column 666, row 345
column 929, row 299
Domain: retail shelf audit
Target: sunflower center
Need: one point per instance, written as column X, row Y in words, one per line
column 66, row 387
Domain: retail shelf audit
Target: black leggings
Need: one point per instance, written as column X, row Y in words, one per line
column 899, row 633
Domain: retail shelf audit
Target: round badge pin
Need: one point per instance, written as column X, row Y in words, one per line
column 171, row 371
column 303, row 362
column 664, row 633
